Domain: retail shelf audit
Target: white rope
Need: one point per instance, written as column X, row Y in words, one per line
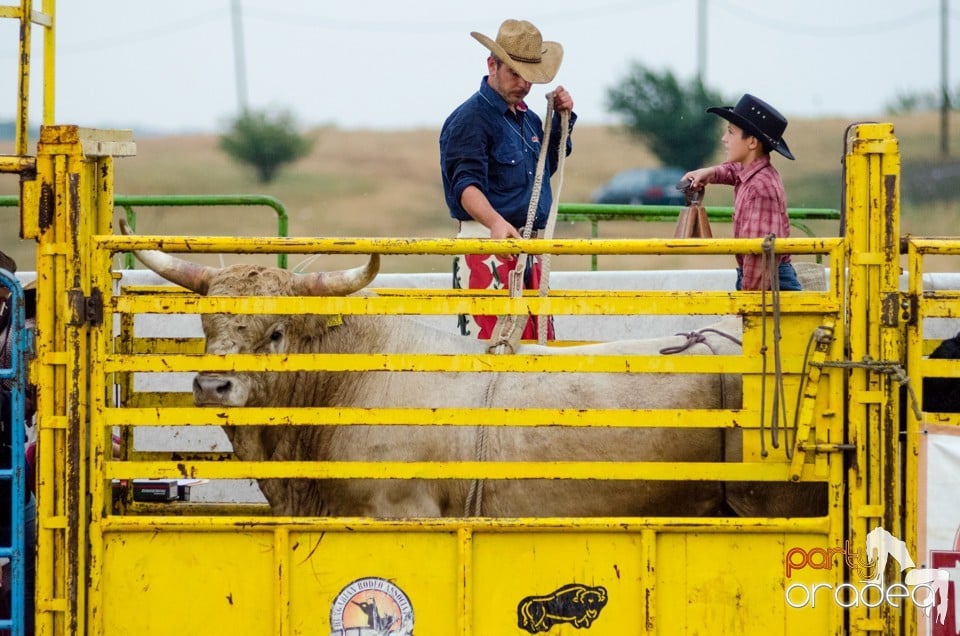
column 507, row 332
column 544, row 320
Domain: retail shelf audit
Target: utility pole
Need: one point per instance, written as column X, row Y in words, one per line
column 240, row 66
column 702, row 41
column 944, row 82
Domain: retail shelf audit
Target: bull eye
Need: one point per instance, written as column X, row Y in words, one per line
column 276, row 336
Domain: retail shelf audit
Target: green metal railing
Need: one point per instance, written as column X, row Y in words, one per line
column 596, row 212
column 129, row 202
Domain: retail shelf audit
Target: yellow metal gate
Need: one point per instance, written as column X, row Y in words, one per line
column 111, row 565
column 108, row 564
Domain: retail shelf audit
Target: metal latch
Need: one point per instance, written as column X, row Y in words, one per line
column 85, row 309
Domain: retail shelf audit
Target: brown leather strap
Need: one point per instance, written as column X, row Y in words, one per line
column 693, row 223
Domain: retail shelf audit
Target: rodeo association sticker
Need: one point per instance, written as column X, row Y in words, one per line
column 371, row 607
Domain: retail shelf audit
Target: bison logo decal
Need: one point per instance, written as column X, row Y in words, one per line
column 576, row 604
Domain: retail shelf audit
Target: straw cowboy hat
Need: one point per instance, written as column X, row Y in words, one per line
column 759, row 119
column 521, row 47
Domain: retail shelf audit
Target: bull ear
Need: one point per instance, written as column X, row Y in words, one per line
column 193, row 276
column 339, row 283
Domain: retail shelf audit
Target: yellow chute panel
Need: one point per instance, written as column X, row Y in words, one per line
column 734, row 584
column 354, row 580
column 188, row 582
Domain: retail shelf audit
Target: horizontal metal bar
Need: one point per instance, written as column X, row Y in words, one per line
column 935, row 246
column 343, row 416
column 612, row 471
column 464, row 363
column 495, row 304
column 17, row 165
column 354, row 245
column 665, row 525
column 612, row 211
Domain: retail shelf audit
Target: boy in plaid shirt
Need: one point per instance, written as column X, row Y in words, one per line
column 754, row 129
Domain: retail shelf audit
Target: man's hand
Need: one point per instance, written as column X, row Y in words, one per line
column 562, row 99
column 503, row 230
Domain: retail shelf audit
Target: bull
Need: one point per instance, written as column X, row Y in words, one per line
column 307, row 333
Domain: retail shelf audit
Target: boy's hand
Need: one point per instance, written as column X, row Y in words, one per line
column 699, row 178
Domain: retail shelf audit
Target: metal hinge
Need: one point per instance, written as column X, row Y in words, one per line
column 85, row 310
column 898, row 309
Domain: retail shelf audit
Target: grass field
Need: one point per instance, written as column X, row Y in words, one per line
column 386, row 183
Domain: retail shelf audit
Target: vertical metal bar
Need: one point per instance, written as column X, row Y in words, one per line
column 50, row 63
column 23, row 80
column 465, row 581
column 281, row 559
column 914, row 428
column 872, row 191
column 46, row 580
column 648, row 551
column 16, row 340
column 858, row 476
column 98, row 186
column 594, row 233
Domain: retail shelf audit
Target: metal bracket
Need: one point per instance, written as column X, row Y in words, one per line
column 85, row 310
column 908, row 309
column 890, row 309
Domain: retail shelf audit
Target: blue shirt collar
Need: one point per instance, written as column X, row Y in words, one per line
column 493, row 100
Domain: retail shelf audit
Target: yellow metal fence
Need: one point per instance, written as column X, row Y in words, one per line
column 261, row 574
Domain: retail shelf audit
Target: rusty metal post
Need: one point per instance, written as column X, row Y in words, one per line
column 874, row 342
column 74, row 201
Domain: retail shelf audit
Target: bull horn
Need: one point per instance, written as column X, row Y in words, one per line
column 339, row 283
column 193, row 276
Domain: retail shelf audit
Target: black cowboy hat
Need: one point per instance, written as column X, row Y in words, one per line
column 759, row 119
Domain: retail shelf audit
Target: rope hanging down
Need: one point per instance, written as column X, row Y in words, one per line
column 769, row 277
column 506, row 335
column 509, row 327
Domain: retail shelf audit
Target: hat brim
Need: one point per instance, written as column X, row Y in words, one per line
column 535, row 73
column 738, row 120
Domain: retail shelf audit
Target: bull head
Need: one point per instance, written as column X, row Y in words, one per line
column 227, row 333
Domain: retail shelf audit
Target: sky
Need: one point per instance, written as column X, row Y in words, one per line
column 171, row 67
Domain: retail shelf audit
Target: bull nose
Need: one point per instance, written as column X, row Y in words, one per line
column 211, row 388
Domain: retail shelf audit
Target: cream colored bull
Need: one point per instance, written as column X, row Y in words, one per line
column 301, row 333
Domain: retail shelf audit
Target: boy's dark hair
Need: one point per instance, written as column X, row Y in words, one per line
column 767, row 146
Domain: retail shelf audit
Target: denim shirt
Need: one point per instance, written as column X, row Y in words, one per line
column 485, row 145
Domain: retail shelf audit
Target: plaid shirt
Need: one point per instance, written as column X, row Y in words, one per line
column 759, row 209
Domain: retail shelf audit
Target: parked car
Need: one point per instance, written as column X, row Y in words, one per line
column 644, row 186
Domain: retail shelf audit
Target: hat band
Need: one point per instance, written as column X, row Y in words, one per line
column 525, row 60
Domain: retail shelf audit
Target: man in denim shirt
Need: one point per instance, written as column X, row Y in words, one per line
column 489, row 148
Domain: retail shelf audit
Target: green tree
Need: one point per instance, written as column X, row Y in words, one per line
column 669, row 117
column 265, row 141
